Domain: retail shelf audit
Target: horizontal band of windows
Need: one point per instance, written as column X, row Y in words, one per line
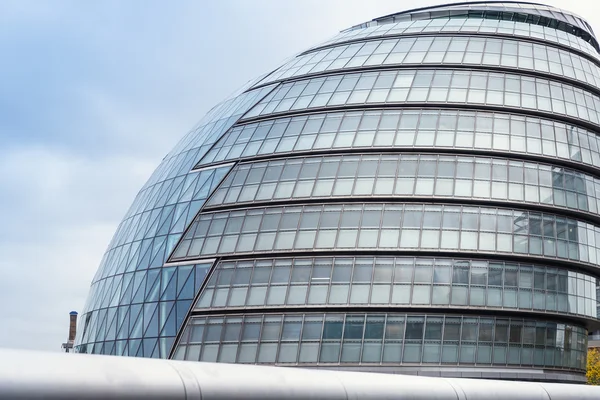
column 438, row 200
column 381, row 281
column 469, row 26
column 548, row 18
column 475, row 108
column 390, row 226
column 409, row 130
column 487, row 52
column 409, row 176
column 590, row 323
column 443, row 87
column 338, row 338
column 525, row 10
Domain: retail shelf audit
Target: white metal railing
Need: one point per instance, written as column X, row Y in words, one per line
column 25, row 374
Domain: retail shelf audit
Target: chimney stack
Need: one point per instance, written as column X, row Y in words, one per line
column 72, row 332
column 72, row 326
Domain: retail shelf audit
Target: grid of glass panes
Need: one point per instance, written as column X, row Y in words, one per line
column 444, row 50
column 142, row 316
column 162, row 210
column 416, row 227
column 408, row 175
column 385, row 129
column 220, row 118
column 383, row 339
column 467, row 26
column 432, row 86
column 398, row 281
column 545, row 16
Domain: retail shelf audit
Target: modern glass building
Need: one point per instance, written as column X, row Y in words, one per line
column 419, row 194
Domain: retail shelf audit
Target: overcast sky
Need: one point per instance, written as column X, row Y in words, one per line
column 94, row 94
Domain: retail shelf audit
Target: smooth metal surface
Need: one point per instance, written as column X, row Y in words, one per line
column 30, row 375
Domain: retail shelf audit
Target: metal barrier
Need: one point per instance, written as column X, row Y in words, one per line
column 25, row 374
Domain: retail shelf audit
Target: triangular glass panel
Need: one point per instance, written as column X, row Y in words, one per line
column 195, row 207
column 188, row 191
column 138, row 296
column 204, row 177
column 152, row 231
column 121, row 312
column 160, row 202
column 166, row 225
column 152, row 327
column 168, row 285
column 191, row 179
column 123, row 328
column 179, row 223
column 115, row 300
column 108, row 291
column 187, row 291
column 174, row 196
column 144, row 260
column 137, row 326
column 166, row 214
column 177, row 185
column 157, row 189
column 159, row 258
column 146, row 245
column 170, row 292
column 171, row 243
column 123, row 258
column 165, row 310
column 148, row 345
column 91, row 327
column 134, row 257
column 143, row 225
column 111, row 331
column 110, row 348
column 153, row 291
column 183, row 273
column 126, row 349
column 201, row 272
column 139, row 281
column 220, row 174
column 182, row 308
column 153, row 225
column 155, row 351
column 165, row 344
column 170, row 326
column 181, row 210
column 158, row 242
column 128, row 288
column 134, row 346
column 149, row 310
column 101, row 333
column 136, row 309
column 204, row 191
column 153, row 275
column 120, row 347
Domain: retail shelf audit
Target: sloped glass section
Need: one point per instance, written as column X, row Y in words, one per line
column 132, row 296
column 149, row 309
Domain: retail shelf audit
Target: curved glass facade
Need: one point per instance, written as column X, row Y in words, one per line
column 445, row 50
column 470, row 26
column 409, row 176
column 419, row 194
column 390, row 282
column 392, row 340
